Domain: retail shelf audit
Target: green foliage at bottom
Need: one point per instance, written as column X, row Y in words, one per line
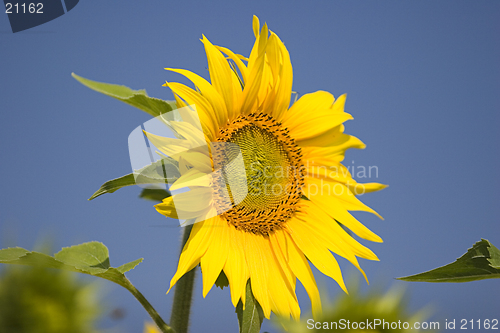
column 365, row 312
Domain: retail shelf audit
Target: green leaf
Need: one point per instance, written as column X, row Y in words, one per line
column 137, row 98
column 154, row 173
column 128, row 266
column 89, row 258
column 92, row 257
column 250, row 319
column 115, row 184
column 482, row 261
column 154, row 194
column 494, row 258
column 162, row 171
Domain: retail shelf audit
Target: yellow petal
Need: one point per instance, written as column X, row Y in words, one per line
column 299, row 266
column 282, row 283
column 255, row 25
column 359, row 188
column 270, row 285
column 223, row 79
column 215, row 257
column 236, row 268
column 278, row 100
column 168, row 146
column 167, row 208
column 331, row 148
column 237, row 60
column 180, row 103
column 334, row 232
column 204, row 109
column 338, row 106
column 317, row 253
column 208, row 91
column 318, row 191
column 187, row 205
column 330, row 172
column 326, row 139
column 194, row 200
column 331, row 234
column 309, row 106
column 257, row 260
column 256, row 62
column 197, row 160
column 196, row 246
column 191, row 133
column 314, row 114
column 343, row 192
column 192, row 178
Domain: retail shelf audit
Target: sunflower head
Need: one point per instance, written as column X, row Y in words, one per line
column 272, row 163
column 265, row 183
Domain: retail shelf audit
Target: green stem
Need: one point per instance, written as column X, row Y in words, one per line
column 149, row 308
column 179, row 319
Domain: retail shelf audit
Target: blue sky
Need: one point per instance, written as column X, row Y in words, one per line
column 422, row 80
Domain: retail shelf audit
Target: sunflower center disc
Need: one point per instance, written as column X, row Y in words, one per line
column 274, row 173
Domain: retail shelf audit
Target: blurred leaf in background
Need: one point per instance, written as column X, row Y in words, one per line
column 390, row 306
column 41, row 300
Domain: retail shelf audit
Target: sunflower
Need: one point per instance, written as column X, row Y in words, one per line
column 293, row 208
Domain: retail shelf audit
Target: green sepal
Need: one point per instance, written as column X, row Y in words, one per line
column 113, row 185
column 162, row 171
column 137, row 98
column 222, row 280
column 482, row 261
column 250, row 319
column 154, row 194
